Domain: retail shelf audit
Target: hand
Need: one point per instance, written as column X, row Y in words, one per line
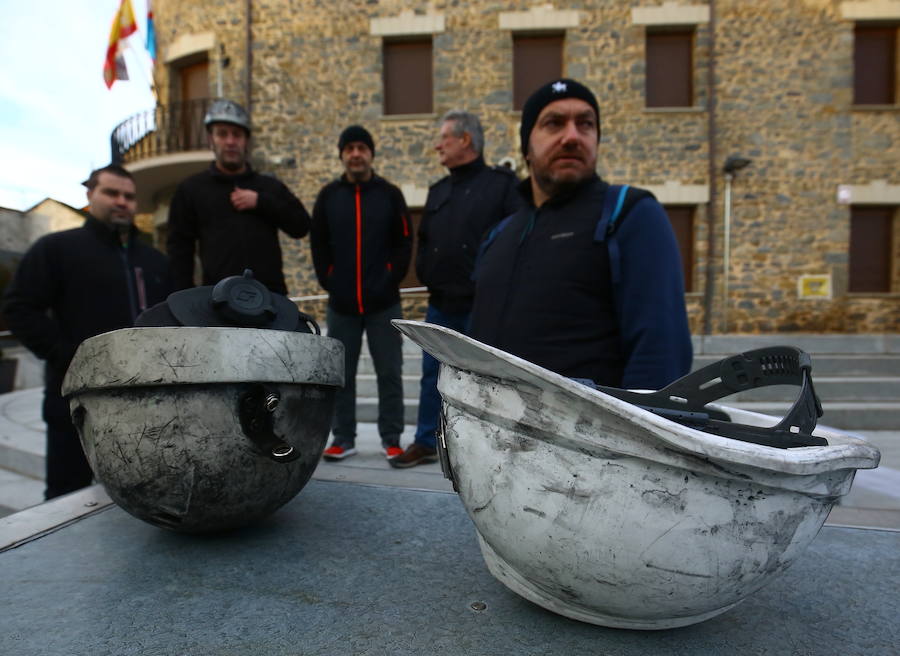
column 244, row 199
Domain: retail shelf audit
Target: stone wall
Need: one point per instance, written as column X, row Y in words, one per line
column 783, row 94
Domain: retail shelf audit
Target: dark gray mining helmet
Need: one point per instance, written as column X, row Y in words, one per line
column 213, row 413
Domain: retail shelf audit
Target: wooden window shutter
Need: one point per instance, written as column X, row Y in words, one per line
column 670, row 69
column 407, row 77
column 682, row 219
column 536, row 60
column 874, row 65
column 870, row 249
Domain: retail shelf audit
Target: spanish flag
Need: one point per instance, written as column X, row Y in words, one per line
column 123, row 26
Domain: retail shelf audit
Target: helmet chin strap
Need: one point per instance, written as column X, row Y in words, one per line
column 684, row 401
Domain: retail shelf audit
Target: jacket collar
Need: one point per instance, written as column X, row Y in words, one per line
column 467, row 170
column 217, row 174
column 105, row 232
column 375, row 179
column 524, row 189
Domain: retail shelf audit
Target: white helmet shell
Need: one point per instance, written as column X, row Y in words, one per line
column 601, row 511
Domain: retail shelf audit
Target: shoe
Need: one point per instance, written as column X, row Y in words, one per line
column 391, row 452
column 415, row 454
column 338, row 452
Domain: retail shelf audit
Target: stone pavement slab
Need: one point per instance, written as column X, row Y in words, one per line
column 339, row 571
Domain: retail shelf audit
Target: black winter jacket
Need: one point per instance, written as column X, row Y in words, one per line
column 75, row 284
column 361, row 244
column 460, row 209
column 546, row 291
column 231, row 241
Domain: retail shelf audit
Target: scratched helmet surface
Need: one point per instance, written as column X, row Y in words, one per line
column 205, row 428
column 608, row 513
column 222, row 110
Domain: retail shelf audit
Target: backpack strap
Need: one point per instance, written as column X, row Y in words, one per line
column 617, row 203
column 613, row 201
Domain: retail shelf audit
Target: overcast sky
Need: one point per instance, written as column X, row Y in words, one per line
column 56, row 114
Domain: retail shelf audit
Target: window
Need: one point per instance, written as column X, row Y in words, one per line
column 193, row 96
column 871, row 241
column 407, row 77
column 536, row 59
column 874, row 65
column 669, row 68
column 682, row 219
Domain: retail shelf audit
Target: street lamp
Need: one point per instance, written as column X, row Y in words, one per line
column 733, row 164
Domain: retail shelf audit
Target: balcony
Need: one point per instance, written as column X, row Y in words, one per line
column 161, row 147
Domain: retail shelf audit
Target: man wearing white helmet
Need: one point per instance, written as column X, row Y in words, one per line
column 231, row 213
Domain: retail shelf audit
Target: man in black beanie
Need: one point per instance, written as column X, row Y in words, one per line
column 585, row 280
column 361, row 245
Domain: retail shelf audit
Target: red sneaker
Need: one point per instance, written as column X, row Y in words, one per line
column 391, row 452
column 338, row 452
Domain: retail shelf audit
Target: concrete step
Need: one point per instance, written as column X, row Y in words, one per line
column 884, row 365
column 18, row 492
column 22, row 433
column 834, row 364
column 367, row 385
column 829, row 388
column 845, row 415
column 815, row 345
column 724, row 345
column 849, row 416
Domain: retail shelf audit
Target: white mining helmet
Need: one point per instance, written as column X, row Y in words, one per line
column 203, row 428
column 650, row 514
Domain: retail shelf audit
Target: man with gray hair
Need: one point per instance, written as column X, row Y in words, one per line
column 459, row 211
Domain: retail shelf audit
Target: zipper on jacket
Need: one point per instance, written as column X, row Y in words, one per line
column 133, row 302
column 359, row 297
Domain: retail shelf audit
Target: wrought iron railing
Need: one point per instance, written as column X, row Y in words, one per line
column 164, row 130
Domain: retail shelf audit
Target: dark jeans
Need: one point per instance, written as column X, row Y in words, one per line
column 67, row 468
column 429, row 397
column 385, row 345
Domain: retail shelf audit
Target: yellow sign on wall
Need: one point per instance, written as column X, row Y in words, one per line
column 814, row 286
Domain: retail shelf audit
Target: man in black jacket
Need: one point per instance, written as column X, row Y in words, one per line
column 460, row 209
column 585, row 280
column 233, row 212
column 361, row 246
column 75, row 284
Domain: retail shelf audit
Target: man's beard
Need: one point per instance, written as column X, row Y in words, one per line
column 553, row 186
column 231, row 165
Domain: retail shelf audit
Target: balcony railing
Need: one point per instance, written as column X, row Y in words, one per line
column 161, row 131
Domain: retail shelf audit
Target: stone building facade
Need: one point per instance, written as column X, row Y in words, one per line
column 771, row 81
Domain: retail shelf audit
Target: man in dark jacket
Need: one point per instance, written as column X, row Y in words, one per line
column 361, row 247
column 459, row 211
column 606, row 307
column 233, row 212
column 75, row 284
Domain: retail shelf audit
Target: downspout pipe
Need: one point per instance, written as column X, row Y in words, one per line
column 248, row 98
column 733, row 164
column 726, row 251
column 709, row 288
